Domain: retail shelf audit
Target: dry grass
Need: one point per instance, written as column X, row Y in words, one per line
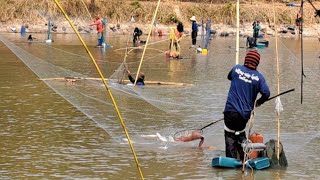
column 33, row 11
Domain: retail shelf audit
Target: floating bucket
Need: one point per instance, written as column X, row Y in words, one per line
column 266, row 43
column 259, row 163
column 226, row 162
column 48, row 41
column 255, row 138
column 204, row 51
column 260, row 45
column 199, row 50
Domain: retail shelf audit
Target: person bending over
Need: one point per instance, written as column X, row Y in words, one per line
column 136, row 35
column 140, row 80
column 250, row 42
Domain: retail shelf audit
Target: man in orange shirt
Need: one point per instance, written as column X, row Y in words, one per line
column 98, row 23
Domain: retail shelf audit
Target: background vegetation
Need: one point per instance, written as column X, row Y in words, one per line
column 119, row 11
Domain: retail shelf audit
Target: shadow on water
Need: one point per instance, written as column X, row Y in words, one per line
column 78, row 135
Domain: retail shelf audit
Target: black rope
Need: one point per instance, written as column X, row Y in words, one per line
column 212, row 123
column 317, row 12
column 301, row 36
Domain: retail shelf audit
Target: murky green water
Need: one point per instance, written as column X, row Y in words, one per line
column 43, row 136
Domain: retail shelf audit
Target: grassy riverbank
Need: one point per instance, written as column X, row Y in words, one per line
column 35, row 12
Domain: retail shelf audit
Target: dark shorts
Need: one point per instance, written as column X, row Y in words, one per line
column 233, row 144
column 234, row 121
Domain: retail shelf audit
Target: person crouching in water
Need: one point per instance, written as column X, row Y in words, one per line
column 140, row 80
column 136, row 35
column 30, row 38
column 246, row 84
column 250, row 42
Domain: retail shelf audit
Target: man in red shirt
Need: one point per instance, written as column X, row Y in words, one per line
column 98, row 23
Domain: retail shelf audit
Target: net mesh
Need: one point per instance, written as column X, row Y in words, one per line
column 180, row 107
column 186, row 135
column 119, row 74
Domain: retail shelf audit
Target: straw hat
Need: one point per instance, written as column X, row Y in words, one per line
column 193, row 18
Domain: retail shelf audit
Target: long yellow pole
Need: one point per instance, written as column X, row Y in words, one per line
column 145, row 47
column 278, row 76
column 106, row 86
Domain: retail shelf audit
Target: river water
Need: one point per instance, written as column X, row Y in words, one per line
column 46, row 133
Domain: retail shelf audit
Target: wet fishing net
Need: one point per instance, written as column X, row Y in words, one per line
column 176, row 97
column 64, row 73
column 186, row 134
column 271, row 153
column 120, row 75
column 190, row 134
column 193, row 93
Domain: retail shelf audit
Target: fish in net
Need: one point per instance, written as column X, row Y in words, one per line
column 189, row 135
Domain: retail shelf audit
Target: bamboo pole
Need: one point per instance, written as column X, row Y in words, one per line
column 238, row 32
column 278, row 75
column 74, row 79
column 145, row 47
column 106, row 86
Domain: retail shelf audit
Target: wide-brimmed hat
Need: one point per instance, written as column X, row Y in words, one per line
column 193, row 18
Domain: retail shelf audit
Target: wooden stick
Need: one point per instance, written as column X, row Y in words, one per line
column 278, row 75
column 238, row 33
column 145, row 47
column 126, row 81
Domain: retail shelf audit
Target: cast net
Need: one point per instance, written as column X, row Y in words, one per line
column 195, row 96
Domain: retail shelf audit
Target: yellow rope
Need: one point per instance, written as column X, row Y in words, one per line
column 172, row 38
column 145, row 47
column 105, row 84
column 86, row 9
column 278, row 76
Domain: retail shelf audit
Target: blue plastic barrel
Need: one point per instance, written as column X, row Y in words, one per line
column 260, row 45
column 225, row 162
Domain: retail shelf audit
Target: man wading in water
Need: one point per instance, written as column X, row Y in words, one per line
column 246, row 84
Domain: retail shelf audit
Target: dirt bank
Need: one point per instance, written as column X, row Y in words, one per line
column 119, row 14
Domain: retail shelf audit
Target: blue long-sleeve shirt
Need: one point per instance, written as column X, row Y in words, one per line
column 194, row 26
column 245, row 85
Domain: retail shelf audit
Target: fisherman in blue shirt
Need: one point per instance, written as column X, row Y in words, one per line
column 140, row 80
column 246, row 83
column 194, row 32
